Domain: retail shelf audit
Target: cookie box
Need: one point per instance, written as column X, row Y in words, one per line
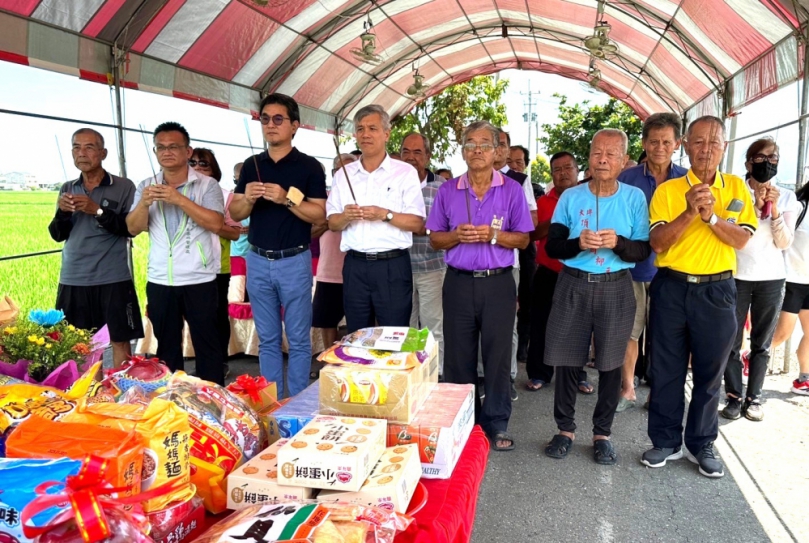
column 287, row 420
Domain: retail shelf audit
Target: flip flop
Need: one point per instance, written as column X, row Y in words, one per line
column 586, row 388
column 502, row 436
column 535, row 384
column 604, row 453
column 558, row 447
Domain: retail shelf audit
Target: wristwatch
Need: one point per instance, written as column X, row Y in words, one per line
column 99, row 211
column 494, row 238
column 389, row 216
column 713, row 220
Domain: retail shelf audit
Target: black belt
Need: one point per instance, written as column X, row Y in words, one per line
column 696, row 279
column 596, row 277
column 278, row 255
column 482, row 273
column 378, row 256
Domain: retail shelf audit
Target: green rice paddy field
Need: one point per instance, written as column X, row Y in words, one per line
column 32, row 282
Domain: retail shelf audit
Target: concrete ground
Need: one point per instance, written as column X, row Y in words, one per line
column 528, row 497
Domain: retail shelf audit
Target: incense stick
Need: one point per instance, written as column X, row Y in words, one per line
column 148, row 154
column 250, row 142
column 62, row 160
column 343, row 167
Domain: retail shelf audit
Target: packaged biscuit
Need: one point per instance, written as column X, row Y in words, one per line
column 166, row 436
column 391, row 348
column 391, row 484
column 287, row 420
column 18, row 479
column 440, row 429
column 389, row 338
column 332, row 453
column 41, row 438
column 257, row 481
column 393, row 395
column 225, row 433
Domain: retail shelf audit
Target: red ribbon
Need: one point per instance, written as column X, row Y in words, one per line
column 139, row 360
column 89, row 495
column 247, row 384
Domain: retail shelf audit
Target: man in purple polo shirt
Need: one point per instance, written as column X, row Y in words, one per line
column 479, row 219
column 660, row 138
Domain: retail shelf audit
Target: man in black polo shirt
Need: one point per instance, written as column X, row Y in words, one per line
column 95, row 282
column 283, row 191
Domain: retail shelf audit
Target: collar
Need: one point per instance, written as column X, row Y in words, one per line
column 691, row 179
column 292, row 155
column 497, row 180
column 504, row 169
column 669, row 175
column 386, row 164
column 106, row 181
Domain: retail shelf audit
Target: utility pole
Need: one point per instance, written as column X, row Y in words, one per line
column 530, row 117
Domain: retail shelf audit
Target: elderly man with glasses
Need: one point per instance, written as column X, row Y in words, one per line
column 478, row 220
column 283, row 191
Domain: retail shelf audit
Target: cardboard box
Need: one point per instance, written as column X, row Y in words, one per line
column 287, row 420
column 391, row 484
column 441, row 429
column 257, row 481
column 393, row 395
column 332, row 453
column 267, row 396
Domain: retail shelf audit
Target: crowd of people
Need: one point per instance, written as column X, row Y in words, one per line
column 651, row 259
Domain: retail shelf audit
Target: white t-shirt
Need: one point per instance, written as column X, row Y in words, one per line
column 762, row 258
column 796, row 257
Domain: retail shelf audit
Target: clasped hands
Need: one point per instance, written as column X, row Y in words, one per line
column 354, row 212
column 469, row 233
column 77, row 202
column 603, row 239
column 269, row 191
column 160, row 193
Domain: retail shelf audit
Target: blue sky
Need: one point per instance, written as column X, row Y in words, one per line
column 31, row 144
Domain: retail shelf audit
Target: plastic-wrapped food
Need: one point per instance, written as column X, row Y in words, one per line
column 150, row 374
column 225, row 433
column 178, row 522
column 389, row 338
column 124, row 528
column 166, row 436
column 377, row 348
column 308, row 522
column 18, row 479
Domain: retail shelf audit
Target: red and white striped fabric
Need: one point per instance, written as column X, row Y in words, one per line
column 672, row 54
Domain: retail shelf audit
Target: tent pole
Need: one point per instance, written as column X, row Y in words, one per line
column 119, row 117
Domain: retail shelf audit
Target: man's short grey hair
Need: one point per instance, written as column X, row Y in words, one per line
column 95, row 133
column 663, row 120
column 370, row 110
column 613, row 133
column 424, row 139
column 709, row 119
column 344, row 158
column 481, row 125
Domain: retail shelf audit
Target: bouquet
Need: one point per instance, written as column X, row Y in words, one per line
column 43, row 343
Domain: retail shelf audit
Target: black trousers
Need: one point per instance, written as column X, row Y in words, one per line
column 763, row 300
column 481, row 311
column 544, row 285
column 222, row 317
column 168, row 306
column 688, row 319
column 377, row 292
column 566, row 391
column 528, row 268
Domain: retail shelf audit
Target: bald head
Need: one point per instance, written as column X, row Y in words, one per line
column 345, row 158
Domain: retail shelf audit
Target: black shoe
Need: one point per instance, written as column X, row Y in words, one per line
column 514, row 396
column 658, row 456
column 733, row 408
column 709, row 463
column 481, row 389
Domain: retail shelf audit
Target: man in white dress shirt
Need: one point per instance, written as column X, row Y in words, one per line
column 378, row 208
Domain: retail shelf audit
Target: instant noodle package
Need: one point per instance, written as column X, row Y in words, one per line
column 391, row 484
column 225, row 433
column 257, row 481
column 332, row 453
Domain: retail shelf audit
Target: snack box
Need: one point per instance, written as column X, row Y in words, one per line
column 393, row 395
column 257, row 481
column 287, row 420
column 332, row 453
column 391, row 484
column 441, row 429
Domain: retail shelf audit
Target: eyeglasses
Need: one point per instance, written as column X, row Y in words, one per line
column 484, row 147
column 201, row 163
column 170, row 148
column 277, row 120
column 759, row 158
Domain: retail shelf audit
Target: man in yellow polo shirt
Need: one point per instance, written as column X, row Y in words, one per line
column 697, row 222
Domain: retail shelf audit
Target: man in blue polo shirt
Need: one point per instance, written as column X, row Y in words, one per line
column 283, row 191
column 661, row 136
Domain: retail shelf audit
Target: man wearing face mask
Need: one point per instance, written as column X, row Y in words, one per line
column 759, row 280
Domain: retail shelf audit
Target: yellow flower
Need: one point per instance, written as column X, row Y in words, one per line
column 81, row 333
column 41, row 341
column 10, row 330
column 32, row 339
column 71, row 328
column 48, row 346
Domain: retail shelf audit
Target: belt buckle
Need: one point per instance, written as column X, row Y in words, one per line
column 692, row 279
column 590, row 279
column 481, row 273
column 371, row 256
column 268, row 255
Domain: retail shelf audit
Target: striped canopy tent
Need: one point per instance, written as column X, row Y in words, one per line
column 687, row 56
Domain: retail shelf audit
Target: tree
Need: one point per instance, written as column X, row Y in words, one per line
column 540, row 171
column 578, row 123
column 443, row 117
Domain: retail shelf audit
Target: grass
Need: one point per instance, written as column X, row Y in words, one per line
column 32, row 282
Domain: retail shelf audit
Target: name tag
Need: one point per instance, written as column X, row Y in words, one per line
column 497, row 224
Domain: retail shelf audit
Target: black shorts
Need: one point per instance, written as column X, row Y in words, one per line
column 796, row 298
column 327, row 307
column 115, row 305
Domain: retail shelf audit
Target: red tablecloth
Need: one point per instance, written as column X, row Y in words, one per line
column 449, row 515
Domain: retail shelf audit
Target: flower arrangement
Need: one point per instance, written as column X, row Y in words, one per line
column 46, row 340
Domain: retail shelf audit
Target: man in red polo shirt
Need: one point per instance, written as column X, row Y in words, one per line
column 565, row 173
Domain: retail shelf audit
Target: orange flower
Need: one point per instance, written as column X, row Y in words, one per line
column 81, row 349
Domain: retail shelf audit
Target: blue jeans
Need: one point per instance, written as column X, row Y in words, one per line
column 271, row 284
